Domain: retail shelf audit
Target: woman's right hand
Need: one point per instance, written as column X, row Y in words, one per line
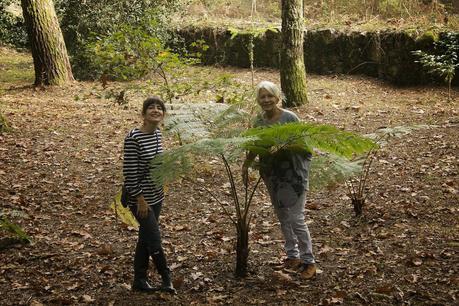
column 142, row 207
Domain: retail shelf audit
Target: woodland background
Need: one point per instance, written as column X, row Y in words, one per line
column 61, row 151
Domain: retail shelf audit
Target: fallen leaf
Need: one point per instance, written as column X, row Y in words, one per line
column 178, row 282
column 196, row 275
column 282, row 278
column 386, row 289
column 105, row 249
column 87, row 298
column 325, row 249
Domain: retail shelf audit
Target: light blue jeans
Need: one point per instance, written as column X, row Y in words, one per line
column 298, row 242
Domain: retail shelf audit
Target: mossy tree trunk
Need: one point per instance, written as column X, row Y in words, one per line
column 292, row 70
column 51, row 62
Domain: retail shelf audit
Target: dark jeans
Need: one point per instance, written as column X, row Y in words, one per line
column 149, row 243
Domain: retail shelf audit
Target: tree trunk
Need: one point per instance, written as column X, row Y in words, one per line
column 51, row 62
column 292, row 70
column 242, row 249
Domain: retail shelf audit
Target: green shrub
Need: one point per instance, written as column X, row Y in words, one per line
column 88, row 23
column 132, row 53
column 444, row 61
column 12, row 29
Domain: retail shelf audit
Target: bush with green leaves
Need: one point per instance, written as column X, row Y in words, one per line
column 12, row 28
column 133, row 53
column 88, row 22
column 445, row 58
column 81, row 19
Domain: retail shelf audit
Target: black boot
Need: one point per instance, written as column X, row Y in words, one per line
column 141, row 284
column 166, row 284
column 141, row 259
column 161, row 265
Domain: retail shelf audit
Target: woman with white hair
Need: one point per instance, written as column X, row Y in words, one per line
column 285, row 175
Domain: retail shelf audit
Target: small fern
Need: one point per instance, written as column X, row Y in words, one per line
column 14, row 229
column 356, row 184
column 4, row 126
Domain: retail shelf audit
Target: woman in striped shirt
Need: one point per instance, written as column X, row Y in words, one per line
column 141, row 145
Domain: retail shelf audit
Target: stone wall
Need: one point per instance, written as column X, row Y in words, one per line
column 385, row 54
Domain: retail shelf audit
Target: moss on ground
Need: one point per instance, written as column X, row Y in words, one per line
column 15, row 67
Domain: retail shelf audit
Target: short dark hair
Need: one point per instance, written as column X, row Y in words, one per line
column 153, row 100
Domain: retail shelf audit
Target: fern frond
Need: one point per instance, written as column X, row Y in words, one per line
column 329, row 169
column 298, row 136
column 206, row 120
column 382, row 134
column 231, row 122
column 192, row 121
column 179, row 161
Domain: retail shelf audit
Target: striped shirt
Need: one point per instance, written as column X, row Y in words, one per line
column 139, row 149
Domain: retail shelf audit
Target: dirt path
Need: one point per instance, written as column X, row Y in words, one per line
column 60, row 167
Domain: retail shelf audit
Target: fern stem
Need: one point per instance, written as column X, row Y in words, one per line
column 247, row 206
column 366, row 166
column 351, row 189
column 233, row 187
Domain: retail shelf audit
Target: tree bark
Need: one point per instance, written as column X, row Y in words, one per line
column 292, row 69
column 51, row 62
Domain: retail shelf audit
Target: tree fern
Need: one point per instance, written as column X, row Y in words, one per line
column 333, row 146
column 333, row 166
column 356, row 184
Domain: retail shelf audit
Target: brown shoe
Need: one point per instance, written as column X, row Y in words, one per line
column 308, row 271
column 292, row 263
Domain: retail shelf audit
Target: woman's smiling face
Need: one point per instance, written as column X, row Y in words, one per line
column 154, row 113
column 267, row 100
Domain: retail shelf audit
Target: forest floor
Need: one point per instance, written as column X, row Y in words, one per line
column 60, row 168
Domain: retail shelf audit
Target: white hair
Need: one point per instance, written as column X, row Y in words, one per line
column 271, row 88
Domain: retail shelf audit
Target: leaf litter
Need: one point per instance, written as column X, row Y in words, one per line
column 61, row 167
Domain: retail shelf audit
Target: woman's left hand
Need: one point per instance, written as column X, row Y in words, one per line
column 142, row 207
